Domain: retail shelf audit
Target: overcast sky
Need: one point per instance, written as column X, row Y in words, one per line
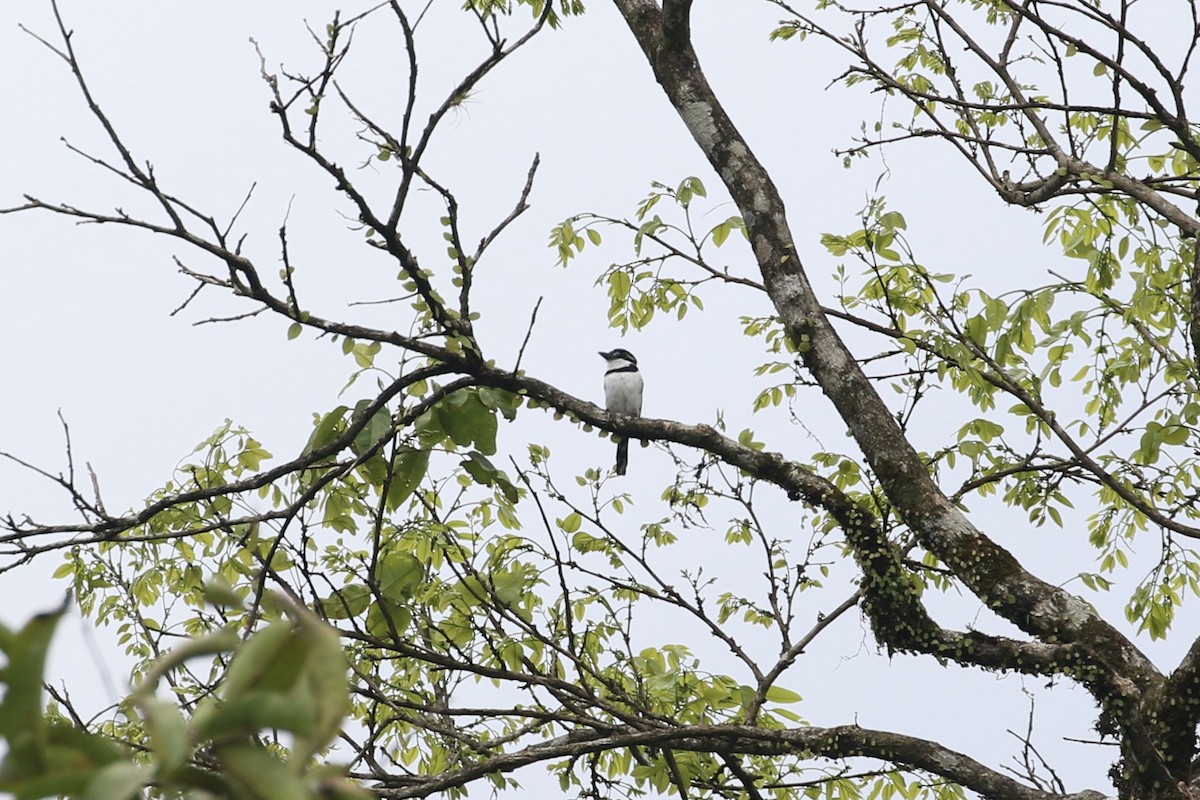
column 85, row 312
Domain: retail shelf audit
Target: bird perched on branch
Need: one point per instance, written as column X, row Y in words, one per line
column 622, row 394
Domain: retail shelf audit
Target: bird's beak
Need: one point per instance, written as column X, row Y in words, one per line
column 603, row 354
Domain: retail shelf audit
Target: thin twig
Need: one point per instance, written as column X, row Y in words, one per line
column 528, row 333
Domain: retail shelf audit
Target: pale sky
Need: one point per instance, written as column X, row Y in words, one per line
column 85, row 312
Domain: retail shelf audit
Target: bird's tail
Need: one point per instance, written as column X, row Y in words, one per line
column 622, row 455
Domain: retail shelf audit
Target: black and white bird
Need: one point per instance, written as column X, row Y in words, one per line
column 622, row 394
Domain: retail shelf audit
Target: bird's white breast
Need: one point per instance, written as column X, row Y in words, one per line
column 623, row 392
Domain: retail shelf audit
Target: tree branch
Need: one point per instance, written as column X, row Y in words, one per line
column 830, row 743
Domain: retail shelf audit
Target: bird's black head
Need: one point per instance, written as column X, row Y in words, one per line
column 619, row 353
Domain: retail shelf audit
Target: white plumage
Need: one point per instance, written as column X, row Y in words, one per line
column 622, row 394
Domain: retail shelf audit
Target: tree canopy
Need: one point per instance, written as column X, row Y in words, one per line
column 418, row 600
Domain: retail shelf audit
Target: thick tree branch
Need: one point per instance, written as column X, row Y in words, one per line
column 990, row 571
column 830, row 743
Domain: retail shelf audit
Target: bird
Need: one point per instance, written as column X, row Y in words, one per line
column 622, row 394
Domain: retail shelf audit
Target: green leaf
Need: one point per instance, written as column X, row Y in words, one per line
column 168, row 733
column 326, row 431
column 1175, row 434
column 221, row 641
column 374, row 431
column 687, row 188
column 720, row 234
column 386, row 618
column 408, row 470
column 349, row 601
column 270, row 658
column 120, row 780
column 468, row 420
column 586, row 543
column 218, row 592
column 510, row 586
column 777, row 694
column 259, row 775
column 324, row 680
column 22, row 723
column 746, row 439
column 484, row 472
column 294, row 330
column 255, row 711
column 399, row 575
